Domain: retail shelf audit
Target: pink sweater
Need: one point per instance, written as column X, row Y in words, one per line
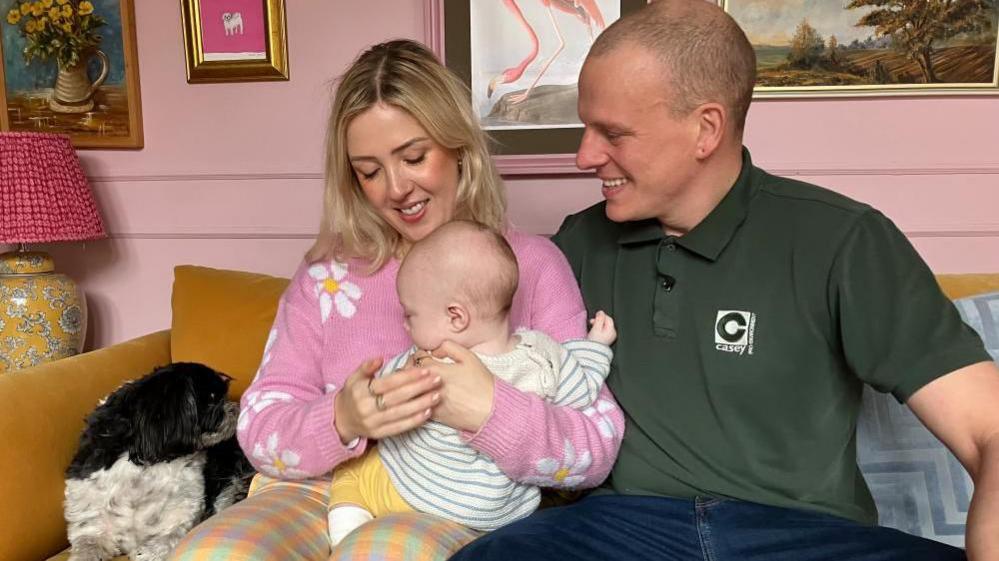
column 332, row 317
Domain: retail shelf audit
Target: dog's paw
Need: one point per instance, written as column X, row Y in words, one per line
column 149, row 555
column 88, row 551
column 157, row 551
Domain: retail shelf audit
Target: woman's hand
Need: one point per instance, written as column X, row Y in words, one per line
column 379, row 407
column 467, row 390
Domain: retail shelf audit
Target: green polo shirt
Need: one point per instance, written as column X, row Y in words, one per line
column 744, row 344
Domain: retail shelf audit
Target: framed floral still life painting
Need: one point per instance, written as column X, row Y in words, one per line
column 70, row 67
column 521, row 60
column 235, row 40
column 871, row 47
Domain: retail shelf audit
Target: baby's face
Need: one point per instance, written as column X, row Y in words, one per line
column 426, row 316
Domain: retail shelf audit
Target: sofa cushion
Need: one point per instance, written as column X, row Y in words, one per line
column 221, row 318
column 917, row 483
column 981, row 312
column 960, row 285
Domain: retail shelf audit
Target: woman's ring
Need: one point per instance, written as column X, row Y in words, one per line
column 380, row 402
column 371, row 391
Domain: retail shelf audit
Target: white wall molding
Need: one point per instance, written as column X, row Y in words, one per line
column 991, row 232
column 201, row 177
column 787, row 169
column 792, row 170
column 232, row 235
column 213, row 206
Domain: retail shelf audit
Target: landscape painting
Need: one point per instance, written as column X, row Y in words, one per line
column 870, row 47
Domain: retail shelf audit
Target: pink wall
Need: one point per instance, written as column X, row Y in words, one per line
column 231, row 173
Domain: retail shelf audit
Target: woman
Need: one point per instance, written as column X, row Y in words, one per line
column 404, row 155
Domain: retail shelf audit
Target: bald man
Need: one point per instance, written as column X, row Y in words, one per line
column 751, row 310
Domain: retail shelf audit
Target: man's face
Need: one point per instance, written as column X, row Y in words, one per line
column 642, row 153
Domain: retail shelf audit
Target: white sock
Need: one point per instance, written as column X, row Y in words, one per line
column 344, row 519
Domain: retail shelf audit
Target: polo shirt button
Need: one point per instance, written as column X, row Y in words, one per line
column 670, row 247
column 668, row 283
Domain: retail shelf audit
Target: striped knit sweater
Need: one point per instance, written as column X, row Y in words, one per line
column 436, row 472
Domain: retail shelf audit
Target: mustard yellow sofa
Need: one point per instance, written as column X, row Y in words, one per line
column 220, row 318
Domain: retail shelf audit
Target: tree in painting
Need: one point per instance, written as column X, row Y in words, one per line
column 915, row 25
column 806, row 46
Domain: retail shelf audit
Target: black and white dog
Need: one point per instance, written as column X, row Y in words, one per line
column 157, row 456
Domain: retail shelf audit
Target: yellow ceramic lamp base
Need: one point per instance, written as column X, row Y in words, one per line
column 43, row 315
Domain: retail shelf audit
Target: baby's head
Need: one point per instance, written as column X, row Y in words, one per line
column 458, row 283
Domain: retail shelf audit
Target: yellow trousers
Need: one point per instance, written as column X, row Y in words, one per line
column 365, row 482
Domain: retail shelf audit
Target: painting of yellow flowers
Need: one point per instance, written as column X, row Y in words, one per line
column 70, row 67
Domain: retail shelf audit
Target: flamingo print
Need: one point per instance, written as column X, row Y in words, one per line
column 586, row 11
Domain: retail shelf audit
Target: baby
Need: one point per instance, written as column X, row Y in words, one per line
column 458, row 283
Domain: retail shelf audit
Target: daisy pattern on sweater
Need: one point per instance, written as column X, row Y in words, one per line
column 566, row 474
column 275, row 462
column 255, row 402
column 599, row 413
column 333, row 289
column 271, row 338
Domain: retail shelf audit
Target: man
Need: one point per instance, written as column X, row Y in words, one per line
column 751, row 310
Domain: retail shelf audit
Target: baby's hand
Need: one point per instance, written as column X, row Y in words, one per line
column 418, row 359
column 602, row 329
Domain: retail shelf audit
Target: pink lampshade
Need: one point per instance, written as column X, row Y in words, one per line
column 44, row 195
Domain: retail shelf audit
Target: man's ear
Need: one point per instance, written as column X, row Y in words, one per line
column 457, row 317
column 712, row 125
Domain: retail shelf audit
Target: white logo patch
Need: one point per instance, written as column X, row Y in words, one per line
column 734, row 331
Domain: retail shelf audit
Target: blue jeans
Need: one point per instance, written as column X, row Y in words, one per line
column 617, row 527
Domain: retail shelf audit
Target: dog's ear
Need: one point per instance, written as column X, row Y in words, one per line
column 106, row 434
column 166, row 420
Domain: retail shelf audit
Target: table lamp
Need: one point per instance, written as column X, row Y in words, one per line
column 44, row 197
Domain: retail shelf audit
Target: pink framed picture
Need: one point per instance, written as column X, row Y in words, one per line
column 233, row 29
column 235, row 40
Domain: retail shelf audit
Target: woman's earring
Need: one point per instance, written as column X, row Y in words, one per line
column 459, row 165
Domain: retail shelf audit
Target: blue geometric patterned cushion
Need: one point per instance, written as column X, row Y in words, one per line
column 981, row 312
column 918, row 485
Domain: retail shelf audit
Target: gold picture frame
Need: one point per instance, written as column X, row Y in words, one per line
column 860, row 48
column 235, row 40
column 87, row 87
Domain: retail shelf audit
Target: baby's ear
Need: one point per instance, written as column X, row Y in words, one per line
column 458, row 317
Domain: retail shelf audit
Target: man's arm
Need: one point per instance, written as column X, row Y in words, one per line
column 962, row 410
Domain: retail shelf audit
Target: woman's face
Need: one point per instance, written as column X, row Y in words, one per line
column 409, row 179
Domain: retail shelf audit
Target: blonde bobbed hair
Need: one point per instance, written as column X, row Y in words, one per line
column 406, row 75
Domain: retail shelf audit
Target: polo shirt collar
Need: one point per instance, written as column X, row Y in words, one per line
column 712, row 234
column 709, row 238
column 640, row 231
